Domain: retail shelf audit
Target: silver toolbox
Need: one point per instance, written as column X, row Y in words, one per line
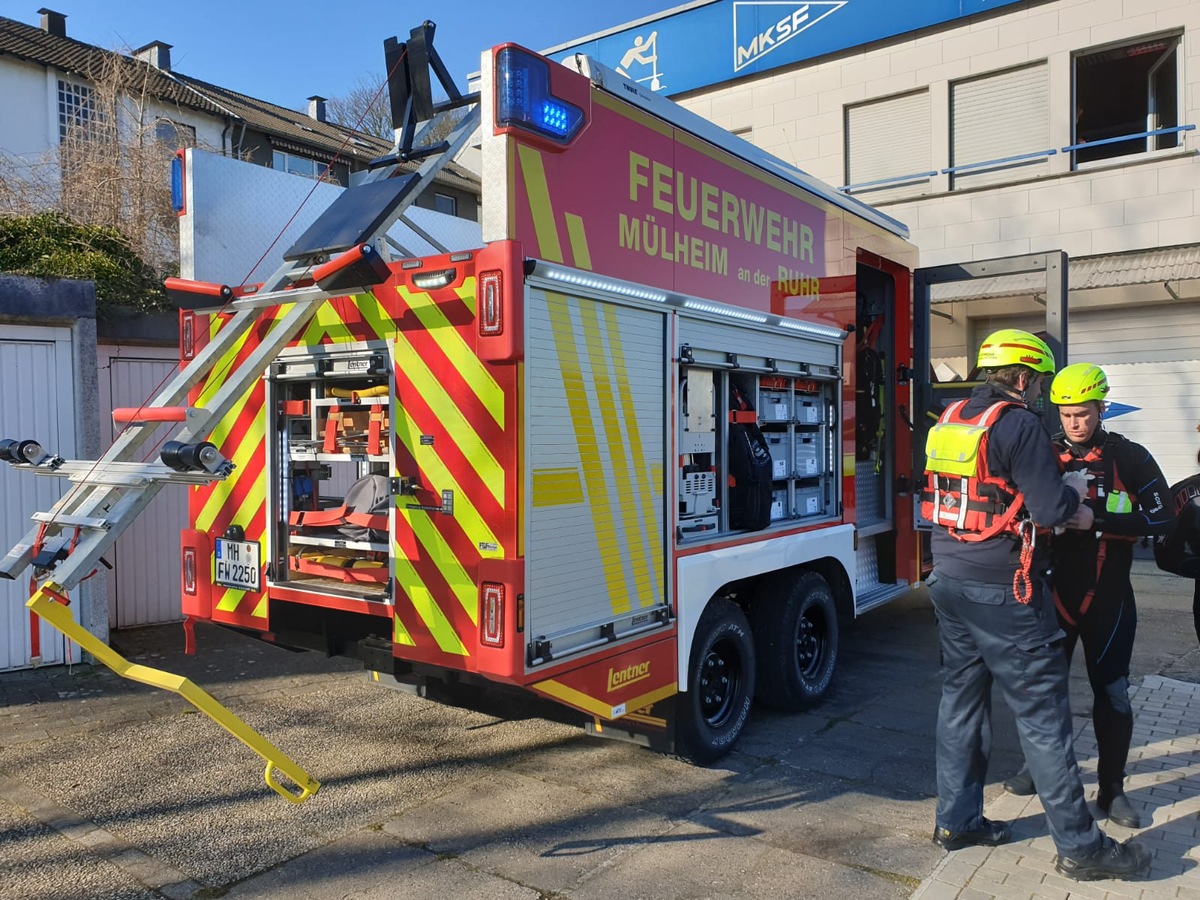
column 808, row 453
column 779, row 503
column 774, row 406
column 809, row 501
column 809, row 410
column 778, row 445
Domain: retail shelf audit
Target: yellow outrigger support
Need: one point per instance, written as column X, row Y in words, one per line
column 43, row 603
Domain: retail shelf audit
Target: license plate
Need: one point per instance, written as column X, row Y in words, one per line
column 237, row 564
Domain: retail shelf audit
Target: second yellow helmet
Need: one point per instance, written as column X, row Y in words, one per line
column 1078, row 383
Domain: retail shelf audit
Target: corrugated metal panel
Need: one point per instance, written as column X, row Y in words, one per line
column 143, row 588
column 1153, row 364
column 1000, row 116
column 888, row 139
column 42, row 368
column 597, row 523
column 1085, row 273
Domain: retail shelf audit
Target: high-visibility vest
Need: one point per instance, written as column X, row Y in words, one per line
column 960, row 493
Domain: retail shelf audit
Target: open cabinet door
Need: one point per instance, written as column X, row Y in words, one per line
column 954, row 308
column 883, row 430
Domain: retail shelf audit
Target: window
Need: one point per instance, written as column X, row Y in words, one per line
column 76, row 110
column 1126, row 90
column 1000, row 127
column 174, row 134
column 296, row 165
column 888, row 148
column 444, row 203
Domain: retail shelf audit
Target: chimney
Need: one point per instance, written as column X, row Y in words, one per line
column 316, row 108
column 54, row 23
column 157, row 54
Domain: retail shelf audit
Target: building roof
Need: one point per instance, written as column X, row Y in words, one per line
column 289, row 130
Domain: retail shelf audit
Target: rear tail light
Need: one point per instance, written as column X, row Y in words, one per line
column 189, row 570
column 491, row 618
column 491, row 304
column 187, row 335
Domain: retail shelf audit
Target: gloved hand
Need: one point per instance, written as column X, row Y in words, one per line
column 1078, row 482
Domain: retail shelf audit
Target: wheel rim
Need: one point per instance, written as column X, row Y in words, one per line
column 812, row 643
column 720, row 682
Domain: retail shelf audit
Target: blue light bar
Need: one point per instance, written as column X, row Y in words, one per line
column 177, row 183
column 523, row 98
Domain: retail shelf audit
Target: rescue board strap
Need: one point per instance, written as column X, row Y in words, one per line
column 50, row 603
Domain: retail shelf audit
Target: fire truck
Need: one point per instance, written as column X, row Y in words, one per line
column 633, row 450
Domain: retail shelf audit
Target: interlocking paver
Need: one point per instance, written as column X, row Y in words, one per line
column 1163, row 783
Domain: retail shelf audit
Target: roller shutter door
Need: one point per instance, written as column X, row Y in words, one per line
column 1152, row 358
column 35, row 364
column 143, row 588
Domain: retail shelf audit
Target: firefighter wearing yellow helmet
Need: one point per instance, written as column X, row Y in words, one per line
column 1128, row 497
column 992, row 475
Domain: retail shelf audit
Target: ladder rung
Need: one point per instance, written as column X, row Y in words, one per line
column 80, row 521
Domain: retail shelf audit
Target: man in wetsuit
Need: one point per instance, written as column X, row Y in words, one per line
column 1129, row 499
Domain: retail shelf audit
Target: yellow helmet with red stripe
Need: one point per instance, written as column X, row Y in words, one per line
column 1014, row 347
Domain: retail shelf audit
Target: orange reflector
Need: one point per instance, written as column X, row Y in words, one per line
column 491, row 619
column 491, row 305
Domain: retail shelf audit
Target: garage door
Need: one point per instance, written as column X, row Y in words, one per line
column 1152, row 358
column 35, row 368
column 143, row 588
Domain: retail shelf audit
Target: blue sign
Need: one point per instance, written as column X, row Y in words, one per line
column 705, row 45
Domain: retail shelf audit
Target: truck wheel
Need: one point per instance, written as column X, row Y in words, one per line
column 713, row 710
column 795, row 637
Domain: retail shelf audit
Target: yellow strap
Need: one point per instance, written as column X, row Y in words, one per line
column 60, row 617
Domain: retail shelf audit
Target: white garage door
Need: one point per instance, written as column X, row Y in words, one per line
column 143, row 588
column 35, row 369
column 1152, row 358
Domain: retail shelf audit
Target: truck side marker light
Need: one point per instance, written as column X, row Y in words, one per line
column 432, row 281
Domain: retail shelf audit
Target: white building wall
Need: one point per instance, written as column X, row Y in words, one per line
column 1150, row 201
column 24, row 110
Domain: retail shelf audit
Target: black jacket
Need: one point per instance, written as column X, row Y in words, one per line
column 1019, row 451
column 1179, row 550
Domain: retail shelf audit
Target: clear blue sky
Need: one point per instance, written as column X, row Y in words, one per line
column 287, row 51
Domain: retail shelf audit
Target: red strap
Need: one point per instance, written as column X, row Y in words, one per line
column 332, row 426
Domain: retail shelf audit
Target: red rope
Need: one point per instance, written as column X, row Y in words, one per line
column 1022, row 583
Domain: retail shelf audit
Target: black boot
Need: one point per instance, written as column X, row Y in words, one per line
column 1021, row 784
column 1118, row 809
column 1111, row 860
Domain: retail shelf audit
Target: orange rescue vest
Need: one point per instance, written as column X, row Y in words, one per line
column 975, row 506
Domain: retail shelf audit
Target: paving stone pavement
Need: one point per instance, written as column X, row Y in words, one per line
column 1163, row 783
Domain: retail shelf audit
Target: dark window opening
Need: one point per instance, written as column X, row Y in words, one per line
column 1126, row 90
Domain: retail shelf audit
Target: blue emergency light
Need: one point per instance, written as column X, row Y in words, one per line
column 523, row 97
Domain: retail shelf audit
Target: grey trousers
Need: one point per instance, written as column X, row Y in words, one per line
column 986, row 636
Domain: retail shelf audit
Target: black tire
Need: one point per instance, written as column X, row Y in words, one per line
column 795, row 626
column 711, row 714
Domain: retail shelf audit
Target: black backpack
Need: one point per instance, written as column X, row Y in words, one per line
column 750, row 472
column 1178, row 551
